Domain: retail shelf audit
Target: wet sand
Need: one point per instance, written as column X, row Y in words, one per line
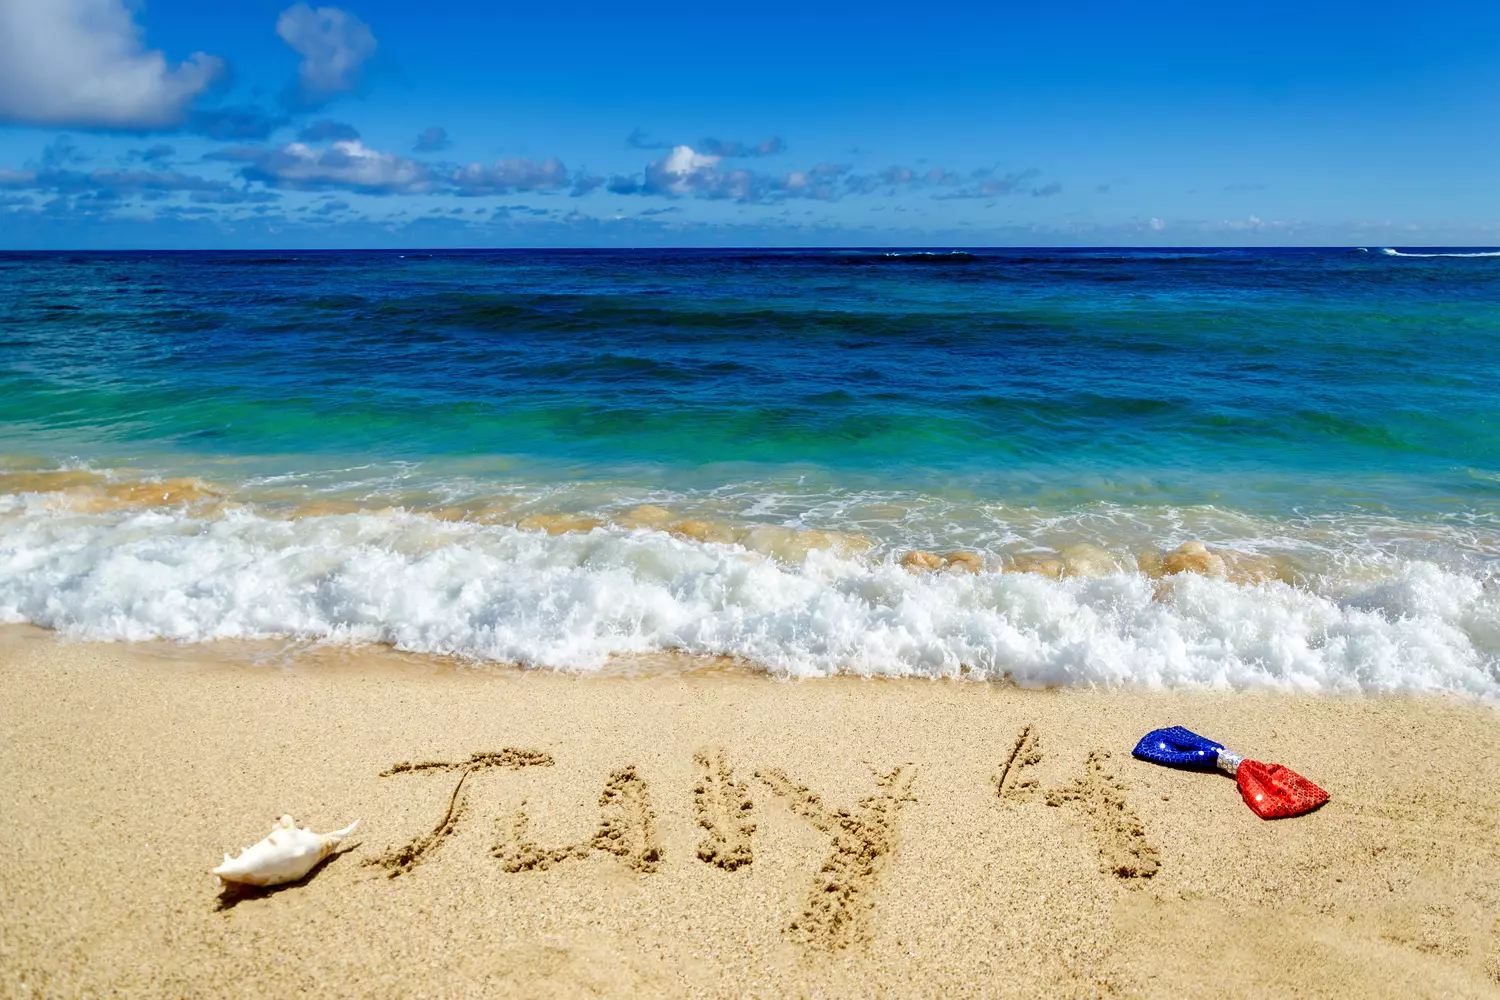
column 699, row 830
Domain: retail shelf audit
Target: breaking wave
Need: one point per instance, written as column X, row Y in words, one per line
column 1475, row 253
column 571, row 600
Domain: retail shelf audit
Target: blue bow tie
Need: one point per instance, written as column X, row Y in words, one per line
column 1178, row 747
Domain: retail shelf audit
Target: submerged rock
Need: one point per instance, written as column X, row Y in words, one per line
column 917, row 561
column 1040, row 565
column 793, row 544
column 166, row 493
column 559, row 524
column 1087, row 559
column 1221, row 564
column 326, row 508
column 1149, row 563
column 1194, row 557
column 1244, row 567
column 47, row 482
column 647, row 516
column 965, row 562
column 703, row 531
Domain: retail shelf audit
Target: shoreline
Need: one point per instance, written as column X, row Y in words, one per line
column 128, row 772
column 1099, row 595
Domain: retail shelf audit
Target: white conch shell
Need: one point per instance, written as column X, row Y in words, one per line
column 286, row 855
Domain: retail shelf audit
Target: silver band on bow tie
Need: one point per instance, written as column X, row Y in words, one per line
column 1229, row 762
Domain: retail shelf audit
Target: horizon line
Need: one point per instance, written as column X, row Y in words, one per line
column 948, row 247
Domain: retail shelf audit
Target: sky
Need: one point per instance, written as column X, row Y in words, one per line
column 260, row 124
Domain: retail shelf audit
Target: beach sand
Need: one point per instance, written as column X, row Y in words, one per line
column 862, row 841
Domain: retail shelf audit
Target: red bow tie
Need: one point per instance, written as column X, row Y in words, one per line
column 1275, row 792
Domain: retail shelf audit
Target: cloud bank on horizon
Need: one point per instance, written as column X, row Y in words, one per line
column 176, row 124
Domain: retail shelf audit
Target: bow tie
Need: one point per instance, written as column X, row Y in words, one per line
column 1271, row 790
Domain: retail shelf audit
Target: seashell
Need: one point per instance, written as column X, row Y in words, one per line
column 287, row 854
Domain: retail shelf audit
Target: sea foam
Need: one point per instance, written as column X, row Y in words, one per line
column 570, row 601
column 1390, row 252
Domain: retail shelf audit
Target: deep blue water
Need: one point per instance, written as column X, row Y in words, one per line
column 1333, row 407
column 1249, row 376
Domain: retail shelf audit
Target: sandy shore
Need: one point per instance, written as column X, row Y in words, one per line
column 829, row 838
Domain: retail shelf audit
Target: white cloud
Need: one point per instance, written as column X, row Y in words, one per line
column 984, row 187
column 333, row 43
column 1252, row 223
column 352, row 166
column 511, row 175
column 82, row 63
column 346, row 165
column 682, row 171
column 685, row 171
column 689, row 172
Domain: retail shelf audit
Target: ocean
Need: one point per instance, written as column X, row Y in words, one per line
column 554, row 458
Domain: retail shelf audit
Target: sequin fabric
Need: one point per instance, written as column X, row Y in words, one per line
column 1178, row 747
column 1276, row 792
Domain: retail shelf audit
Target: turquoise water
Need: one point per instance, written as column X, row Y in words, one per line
column 1252, row 377
column 1333, row 411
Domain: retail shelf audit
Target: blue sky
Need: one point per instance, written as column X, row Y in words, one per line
column 179, row 123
